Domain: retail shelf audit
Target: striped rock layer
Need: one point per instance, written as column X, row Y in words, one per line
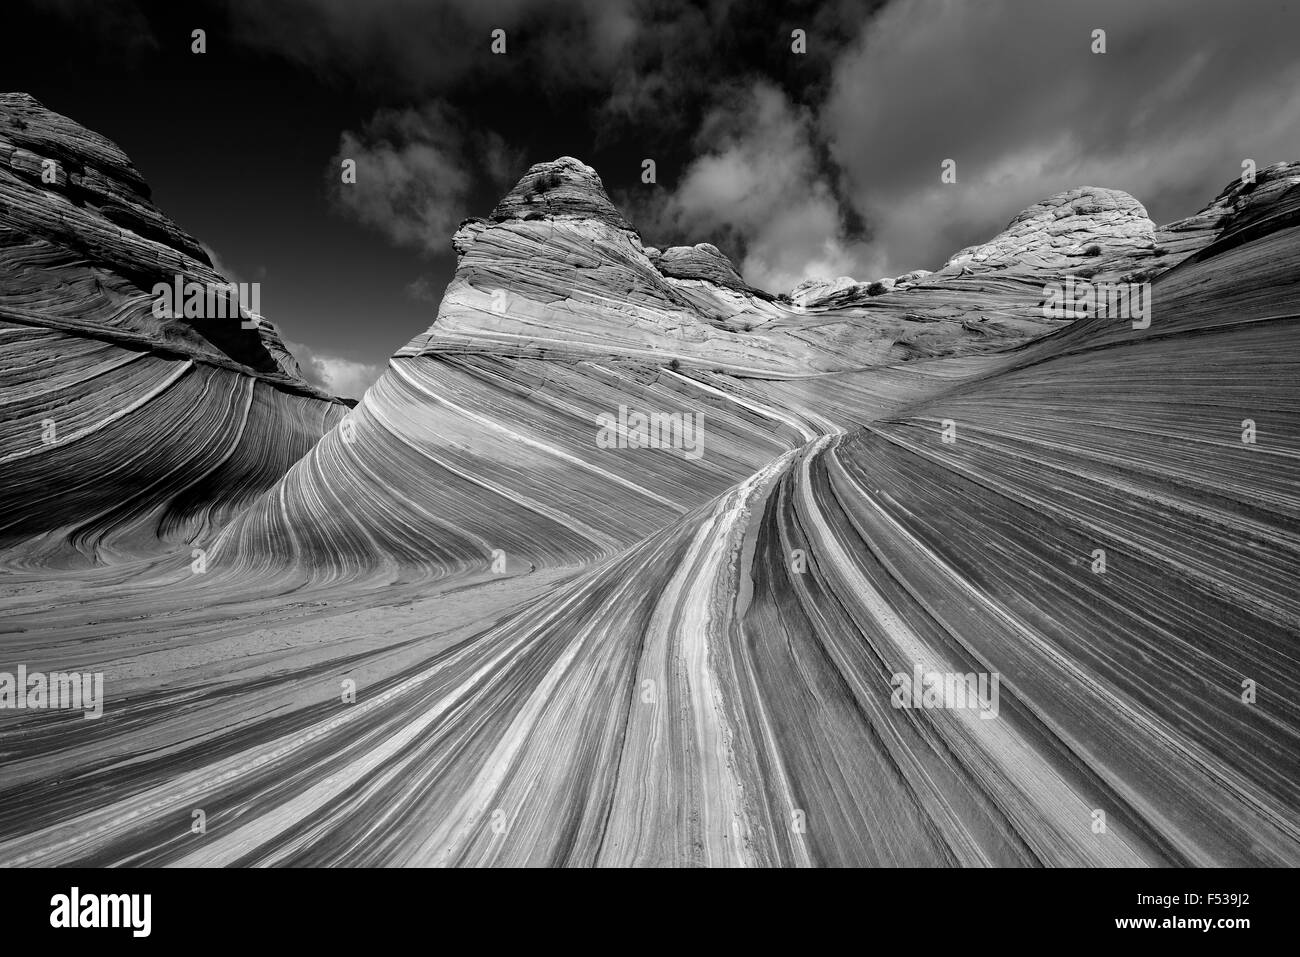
column 453, row 627
column 123, row 434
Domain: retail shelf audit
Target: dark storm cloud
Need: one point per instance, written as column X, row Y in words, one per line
column 681, row 60
column 409, row 48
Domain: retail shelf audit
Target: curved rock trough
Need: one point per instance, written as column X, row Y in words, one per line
column 453, row 626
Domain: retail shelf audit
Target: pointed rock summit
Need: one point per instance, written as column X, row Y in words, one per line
column 565, row 188
column 38, row 145
column 28, row 126
column 77, row 196
column 127, row 429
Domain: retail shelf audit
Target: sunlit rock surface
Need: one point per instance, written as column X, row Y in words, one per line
column 457, row 629
column 1052, row 235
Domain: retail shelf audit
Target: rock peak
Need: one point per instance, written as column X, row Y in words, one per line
column 1083, row 201
column 18, row 98
column 564, row 188
column 1058, row 232
column 25, row 123
column 75, row 195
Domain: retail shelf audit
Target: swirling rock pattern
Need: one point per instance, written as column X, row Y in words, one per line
column 554, row 651
column 124, row 434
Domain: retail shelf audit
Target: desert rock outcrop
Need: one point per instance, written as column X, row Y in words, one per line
column 565, row 650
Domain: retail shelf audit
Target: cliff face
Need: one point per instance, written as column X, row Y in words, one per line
column 123, row 431
column 569, row 647
column 84, row 247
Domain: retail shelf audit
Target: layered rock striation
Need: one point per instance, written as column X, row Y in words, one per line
column 463, row 628
column 125, row 432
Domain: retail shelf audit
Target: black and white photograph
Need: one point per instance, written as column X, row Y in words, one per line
column 632, row 434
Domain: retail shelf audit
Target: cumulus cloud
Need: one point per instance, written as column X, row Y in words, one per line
column 334, row 374
column 757, row 189
column 1012, row 91
column 414, row 173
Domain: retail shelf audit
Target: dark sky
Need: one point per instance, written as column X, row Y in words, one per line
column 825, row 163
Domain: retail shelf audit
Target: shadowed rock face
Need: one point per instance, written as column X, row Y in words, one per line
column 570, row 653
column 123, row 433
column 1243, row 211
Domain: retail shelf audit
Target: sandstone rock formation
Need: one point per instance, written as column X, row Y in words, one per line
column 564, row 652
column 814, row 289
column 1054, row 235
column 123, row 433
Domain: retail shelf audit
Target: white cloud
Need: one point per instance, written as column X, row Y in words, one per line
column 1012, row 91
column 413, row 176
column 758, row 183
column 334, row 374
